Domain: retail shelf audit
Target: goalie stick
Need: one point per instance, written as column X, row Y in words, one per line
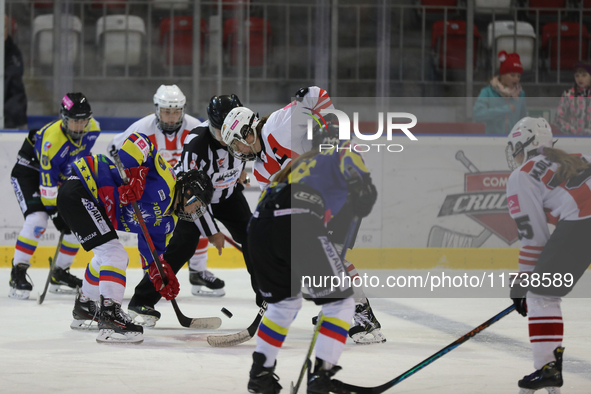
column 51, row 266
column 380, row 389
column 239, row 337
column 201, row 323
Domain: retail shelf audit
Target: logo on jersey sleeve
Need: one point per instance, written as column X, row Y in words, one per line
column 513, row 204
column 46, row 146
column 143, row 146
column 161, row 162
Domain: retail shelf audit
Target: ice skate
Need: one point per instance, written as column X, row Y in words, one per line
column 144, row 315
column 20, row 287
column 85, row 313
column 366, row 328
column 549, row 377
column 115, row 326
column 320, row 381
column 262, row 380
column 63, row 282
column 206, row 284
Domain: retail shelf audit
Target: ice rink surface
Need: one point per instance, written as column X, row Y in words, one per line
column 39, row 353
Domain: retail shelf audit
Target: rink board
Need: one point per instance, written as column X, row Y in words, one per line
column 363, row 258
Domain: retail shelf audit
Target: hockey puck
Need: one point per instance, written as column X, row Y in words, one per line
column 227, row 313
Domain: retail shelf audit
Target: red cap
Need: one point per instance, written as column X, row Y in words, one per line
column 510, row 63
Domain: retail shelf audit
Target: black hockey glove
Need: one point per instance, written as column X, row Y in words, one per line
column 517, row 294
column 59, row 223
column 299, row 95
column 363, row 195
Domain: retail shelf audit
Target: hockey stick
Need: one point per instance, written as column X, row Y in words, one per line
column 51, row 266
column 380, row 389
column 232, row 242
column 239, row 337
column 204, row 322
column 307, row 362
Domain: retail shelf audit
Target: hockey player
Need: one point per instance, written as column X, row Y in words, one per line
column 43, row 164
column 167, row 129
column 274, row 141
column 546, row 179
column 204, row 151
column 288, row 240
column 95, row 202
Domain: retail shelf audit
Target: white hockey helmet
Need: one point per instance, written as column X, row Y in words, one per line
column 169, row 96
column 525, row 138
column 238, row 124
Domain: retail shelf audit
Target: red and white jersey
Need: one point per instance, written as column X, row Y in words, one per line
column 284, row 135
column 169, row 146
column 533, row 193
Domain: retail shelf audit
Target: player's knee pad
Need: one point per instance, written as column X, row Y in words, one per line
column 35, row 225
column 283, row 312
column 341, row 309
column 112, row 253
column 538, row 305
column 71, row 239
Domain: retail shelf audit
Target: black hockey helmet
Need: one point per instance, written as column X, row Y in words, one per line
column 193, row 186
column 326, row 133
column 218, row 109
column 75, row 106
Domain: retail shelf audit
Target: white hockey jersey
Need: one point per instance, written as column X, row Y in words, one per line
column 533, row 193
column 284, row 135
column 169, row 146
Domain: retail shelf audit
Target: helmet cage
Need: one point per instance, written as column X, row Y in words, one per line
column 193, row 187
column 75, row 106
column 527, row 137
column 169, row 97
column 239, row 134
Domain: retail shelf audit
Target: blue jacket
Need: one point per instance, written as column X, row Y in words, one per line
column 494, row 111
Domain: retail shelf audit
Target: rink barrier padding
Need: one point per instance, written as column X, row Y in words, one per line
column 362, row 258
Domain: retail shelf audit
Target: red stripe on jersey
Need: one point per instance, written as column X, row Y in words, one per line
column 171, row 144
column 279, row 154
column 542, row 329
column 260, row 177
column 184, row 135
column 546, row 318
column 582, row 196
column 547, row 177
column 152, row 139
column 528, row 166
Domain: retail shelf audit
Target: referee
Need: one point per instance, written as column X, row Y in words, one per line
column 204, row 150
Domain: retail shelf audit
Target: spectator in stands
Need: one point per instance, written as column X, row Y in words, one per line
column 15, row 99
column 574, row 111
column 502, row 103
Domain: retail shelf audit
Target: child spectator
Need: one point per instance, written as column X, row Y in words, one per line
column 502, row 103
column 574, row 111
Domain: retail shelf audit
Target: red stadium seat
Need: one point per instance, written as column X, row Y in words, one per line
column 42, row 3
column 182, row 29
column 557, row 5
column 569, row 44
column 456, row 44
column 109, row 4
column 257, row 39
column 441, row 3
